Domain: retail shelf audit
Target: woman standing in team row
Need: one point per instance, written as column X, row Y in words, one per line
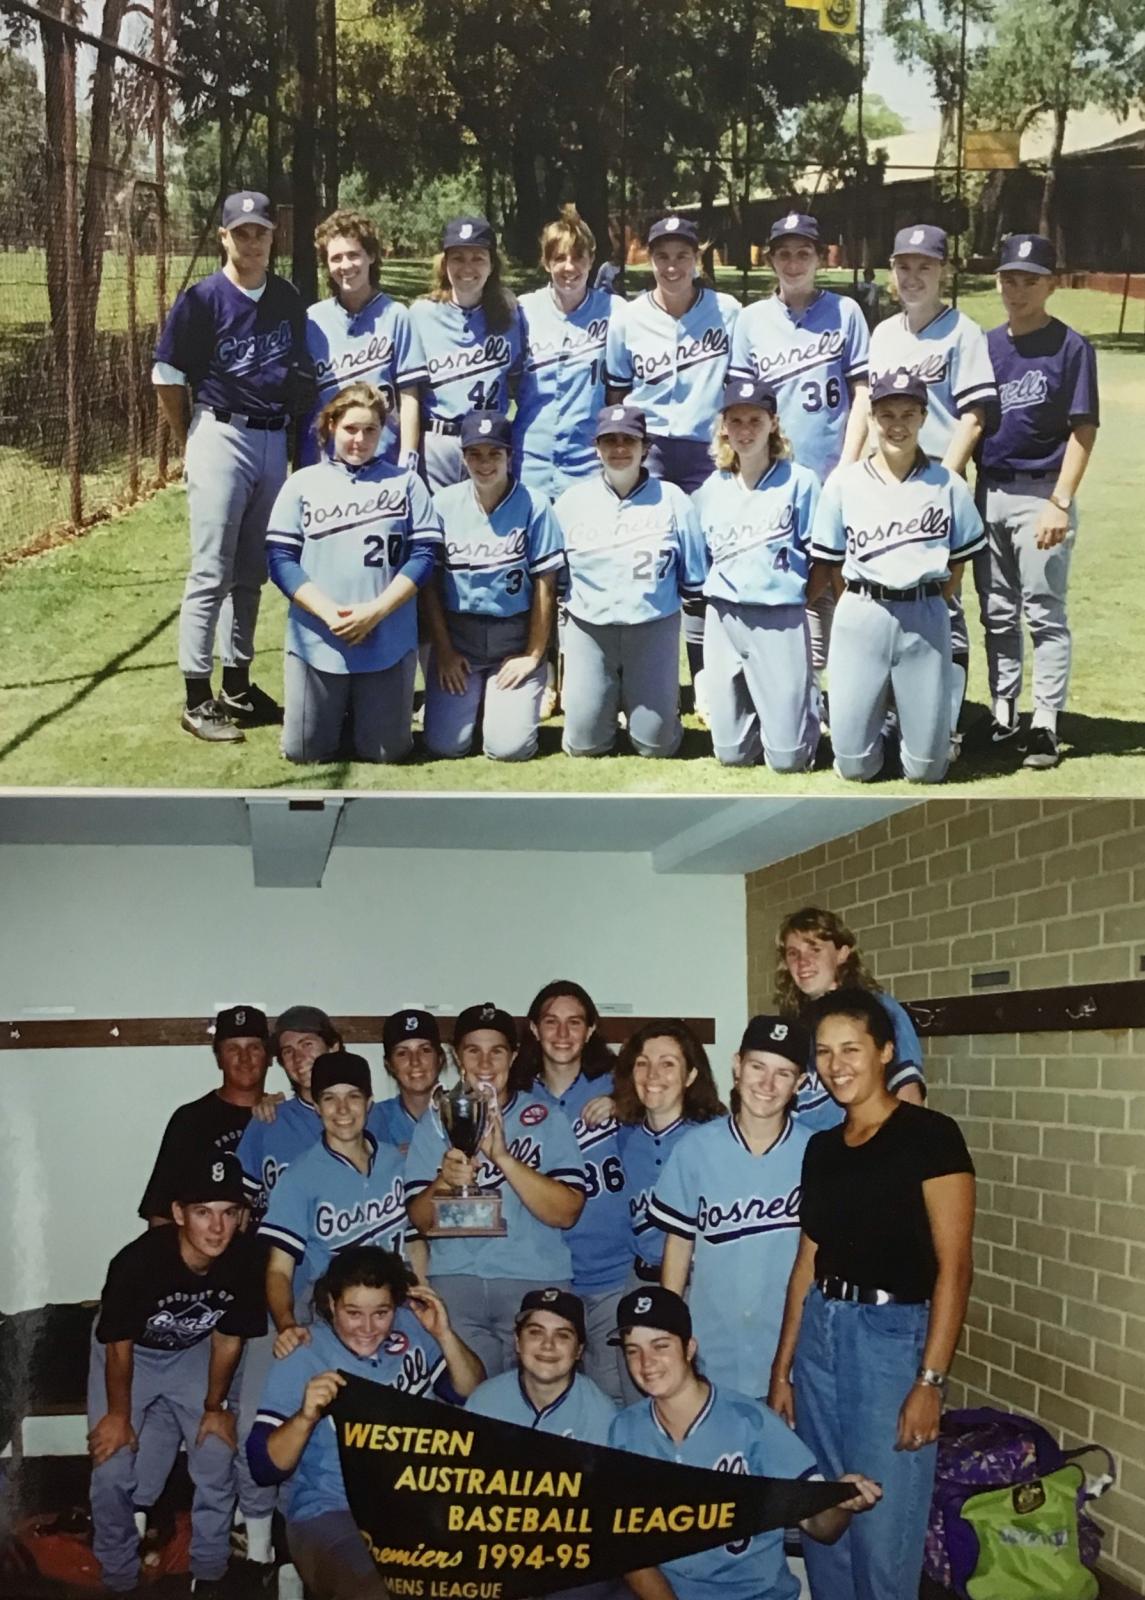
column 350, row 541
column 359, row 335
column 816, row 953
column 756, row 512
column 491, row 618
column 811, row 346
column 876, row 1299
column 632, row 549
column 563, row 330
column 471, row 335
column 668, row 354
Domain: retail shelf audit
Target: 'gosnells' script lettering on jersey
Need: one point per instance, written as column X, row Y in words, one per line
column 387, row 500
column 721, row 1224
column 931, row 369
column 712, row 344
column 575, row 344
column 377, row 351
column 932, row 524
column 495, row 352
column 372, row 1215
column 734, row 538
column 1028, row 390
column 799, row 358
column 480, row 554
column 651, row 528
column 524, row 1148
column 178, row 1325
column 245, row 355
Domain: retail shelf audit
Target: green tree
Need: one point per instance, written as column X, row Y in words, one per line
column 21, row 151
column 927, row 34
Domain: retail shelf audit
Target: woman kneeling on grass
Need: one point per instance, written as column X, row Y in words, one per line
column 351, row 540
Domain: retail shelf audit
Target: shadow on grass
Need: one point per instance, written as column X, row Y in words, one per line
column 93, row 681
column 1131, row 341
column 80, row 677
column 1081, row 736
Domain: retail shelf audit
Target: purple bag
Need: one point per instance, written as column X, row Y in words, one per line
column 990, row 1449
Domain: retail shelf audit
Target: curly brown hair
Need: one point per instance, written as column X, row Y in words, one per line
column 354, row 394
column 816, row 923
column 350, row 225
column 701, row 1098
column 498, row 304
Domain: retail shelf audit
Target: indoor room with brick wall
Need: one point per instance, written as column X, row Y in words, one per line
column 1053, row 892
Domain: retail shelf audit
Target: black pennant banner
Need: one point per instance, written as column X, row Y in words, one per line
column 459, row 1507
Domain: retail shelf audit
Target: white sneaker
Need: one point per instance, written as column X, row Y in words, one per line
column 290, row 1584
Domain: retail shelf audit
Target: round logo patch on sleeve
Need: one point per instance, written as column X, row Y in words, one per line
column 396, row 1344
column 531, row 1115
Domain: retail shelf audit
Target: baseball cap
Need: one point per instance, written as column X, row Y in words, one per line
column 248, row 205
column 778, row 1036
column 409, row 1024
column 795, row 224
column 561, row 1302
column 1027, row 252
column 241, row 1022
column 628, row 420
column 486, row 427
column 749, row 392
column 210, row 1175
column 920, row 240
column 653, row 1307
column 673, row 227
column 340, row 1066
column 304, row 1019
column 898, row 385
column 472, row 231
column 486, row 1015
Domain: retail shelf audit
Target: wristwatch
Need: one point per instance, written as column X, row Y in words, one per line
column 1062, row 501
column 931, row 1379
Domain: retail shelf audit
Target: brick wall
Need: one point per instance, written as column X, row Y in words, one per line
column 1054, row 890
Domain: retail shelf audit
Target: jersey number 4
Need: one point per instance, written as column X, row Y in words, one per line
column 816, row 395
column 382, row 551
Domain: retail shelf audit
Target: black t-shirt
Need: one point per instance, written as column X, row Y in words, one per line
column 199, row 1127
column 154, row 1299
column 863, row 1206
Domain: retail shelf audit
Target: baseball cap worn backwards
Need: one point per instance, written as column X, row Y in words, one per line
column 460, row 232
column 486, row 427
column 210, row 1175
column 561, row 1302
column 340, row 1066
column 247, row 206
column 628, row 420
column 653, row 1307
column 241, row 1022
column 898, row 385
column 303, row 1019
column 409, row 1024
column 778, row 1036
column 1027, row 252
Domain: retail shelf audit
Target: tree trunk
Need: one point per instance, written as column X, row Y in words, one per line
column 1047, row 218
column 597, row 108
column 55, row 178
column 331, row 176
column 304, row 176
column 709, row 187
column 98, row 179
column 275, row 171
column 526, row 219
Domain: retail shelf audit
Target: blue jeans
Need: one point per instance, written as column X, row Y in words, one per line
column 854, row 1366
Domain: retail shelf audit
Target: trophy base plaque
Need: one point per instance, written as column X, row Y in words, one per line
column 467, row 1216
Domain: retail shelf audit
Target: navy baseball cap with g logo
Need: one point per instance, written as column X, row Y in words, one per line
column 778, row 1036
column 210, row 1175
column 795, row 224
column 629, row 420
column 674, row 227
column 899, row 385
column 247, row 206
column 920, row 240
column 486, row 1015
column 749, row 392
column 1028, row 252
column 241, row 1022
column 561, row 1302
column 486, row 427
column 409, row 1024
column 471, row 232
column 653, row 1307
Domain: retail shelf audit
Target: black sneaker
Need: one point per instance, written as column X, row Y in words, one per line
column 1042, row 748
column 1003, row 732
column 252, row 707
column 211, row 722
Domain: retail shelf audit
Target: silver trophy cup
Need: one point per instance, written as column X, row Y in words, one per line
column 468, row 1211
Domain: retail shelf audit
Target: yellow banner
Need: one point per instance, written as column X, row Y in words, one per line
column 838, row 16
column 987, row 149
column 804, row 5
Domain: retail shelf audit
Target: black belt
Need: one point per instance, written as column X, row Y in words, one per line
column 260, row 424
column 879, row 591
column 646, row 1272
column 440, row 425
column 840, row 1289
column 1006, row 475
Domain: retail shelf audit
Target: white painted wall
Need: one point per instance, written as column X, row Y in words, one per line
column 179, row 931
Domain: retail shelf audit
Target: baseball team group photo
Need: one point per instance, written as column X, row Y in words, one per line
column 675, row 467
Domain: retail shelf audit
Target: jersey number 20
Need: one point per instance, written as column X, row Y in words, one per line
column 381, row 551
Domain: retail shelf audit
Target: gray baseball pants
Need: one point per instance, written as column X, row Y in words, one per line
column 757, row 665
column 442, row 458
column 483, row 1312
column 233, row 477
column 380, row 706
column 510, row 717
column 1015, row 581
column 614, row 666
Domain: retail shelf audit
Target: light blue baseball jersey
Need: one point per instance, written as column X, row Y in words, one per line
column 952, row 358
column 469, row 367
column 561, row 388
column 377, row 344
column 599, row 1238
column 542, row 1138
column 758, row 539
column 322, row 1204
column 630, row 560
column 408, row 1358
column 391, row 1122
column 645, row 1152
column 492, row 558
column 351, row 530
column 810, row 358
column 814, row 1105
column 740, row 1212
column 266, row 1149
column 732, row 1433
column 899, row 534
column 583, row 1412
column 672, row 367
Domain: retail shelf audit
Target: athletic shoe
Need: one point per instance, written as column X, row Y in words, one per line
column 211, row 722
column 1042, row 748
column 252, row 707
column 1003, row 732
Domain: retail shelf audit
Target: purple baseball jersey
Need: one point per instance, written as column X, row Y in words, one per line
column 1047, row 385
column 238, row 354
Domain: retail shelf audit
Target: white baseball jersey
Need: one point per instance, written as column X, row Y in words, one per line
column 896, row 534
column 758, row 539
column 377, row 344
column 952, row 358
column 674, row 368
